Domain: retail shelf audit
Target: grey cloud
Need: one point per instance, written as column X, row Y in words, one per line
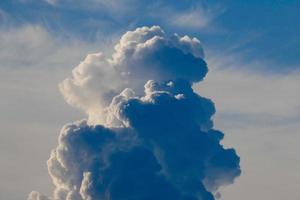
column 151, row 142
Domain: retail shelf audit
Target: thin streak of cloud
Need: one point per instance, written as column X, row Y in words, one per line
column 31, row 46
column 112, row 16
column 197, row 17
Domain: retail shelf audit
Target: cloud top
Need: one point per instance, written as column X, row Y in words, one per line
column 146, row 53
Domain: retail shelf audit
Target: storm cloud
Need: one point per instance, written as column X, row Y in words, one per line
column 148, row 134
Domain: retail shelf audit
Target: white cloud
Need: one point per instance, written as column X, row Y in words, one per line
column 158, row 135
column 95, row 162
column 32, row 63
column 31, row 46
column 113, row 8
column 195, row 18
column 187, row 15
column 32, row 109
column 52, row 2
column 146, row 53
column 35, row 49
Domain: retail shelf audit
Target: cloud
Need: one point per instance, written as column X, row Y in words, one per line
column 154, row 131
column 4, row 17
column 100, row 18
column 52, row 2
column 32, row 46
column 32, row 63
column 161, row 150
column 266, row 112
column 197, row 17
column 264, row 118
column 24, row 46
column 140, row 55
column 262, row 95
column 37, row 196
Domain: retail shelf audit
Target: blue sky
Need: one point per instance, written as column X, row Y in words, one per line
column 265, row 30
column 252, row 49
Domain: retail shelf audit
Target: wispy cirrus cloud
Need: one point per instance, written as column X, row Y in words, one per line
column 198, row 17
column 95, row 16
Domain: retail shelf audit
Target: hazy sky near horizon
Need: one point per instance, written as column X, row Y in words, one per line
column 252, row 50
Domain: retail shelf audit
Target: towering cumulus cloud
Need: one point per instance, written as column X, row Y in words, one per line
column 148, row 135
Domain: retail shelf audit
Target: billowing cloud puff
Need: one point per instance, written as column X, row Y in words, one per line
column 140, row 55
column 155, row 140
column 36, row 196
column 164, row 148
